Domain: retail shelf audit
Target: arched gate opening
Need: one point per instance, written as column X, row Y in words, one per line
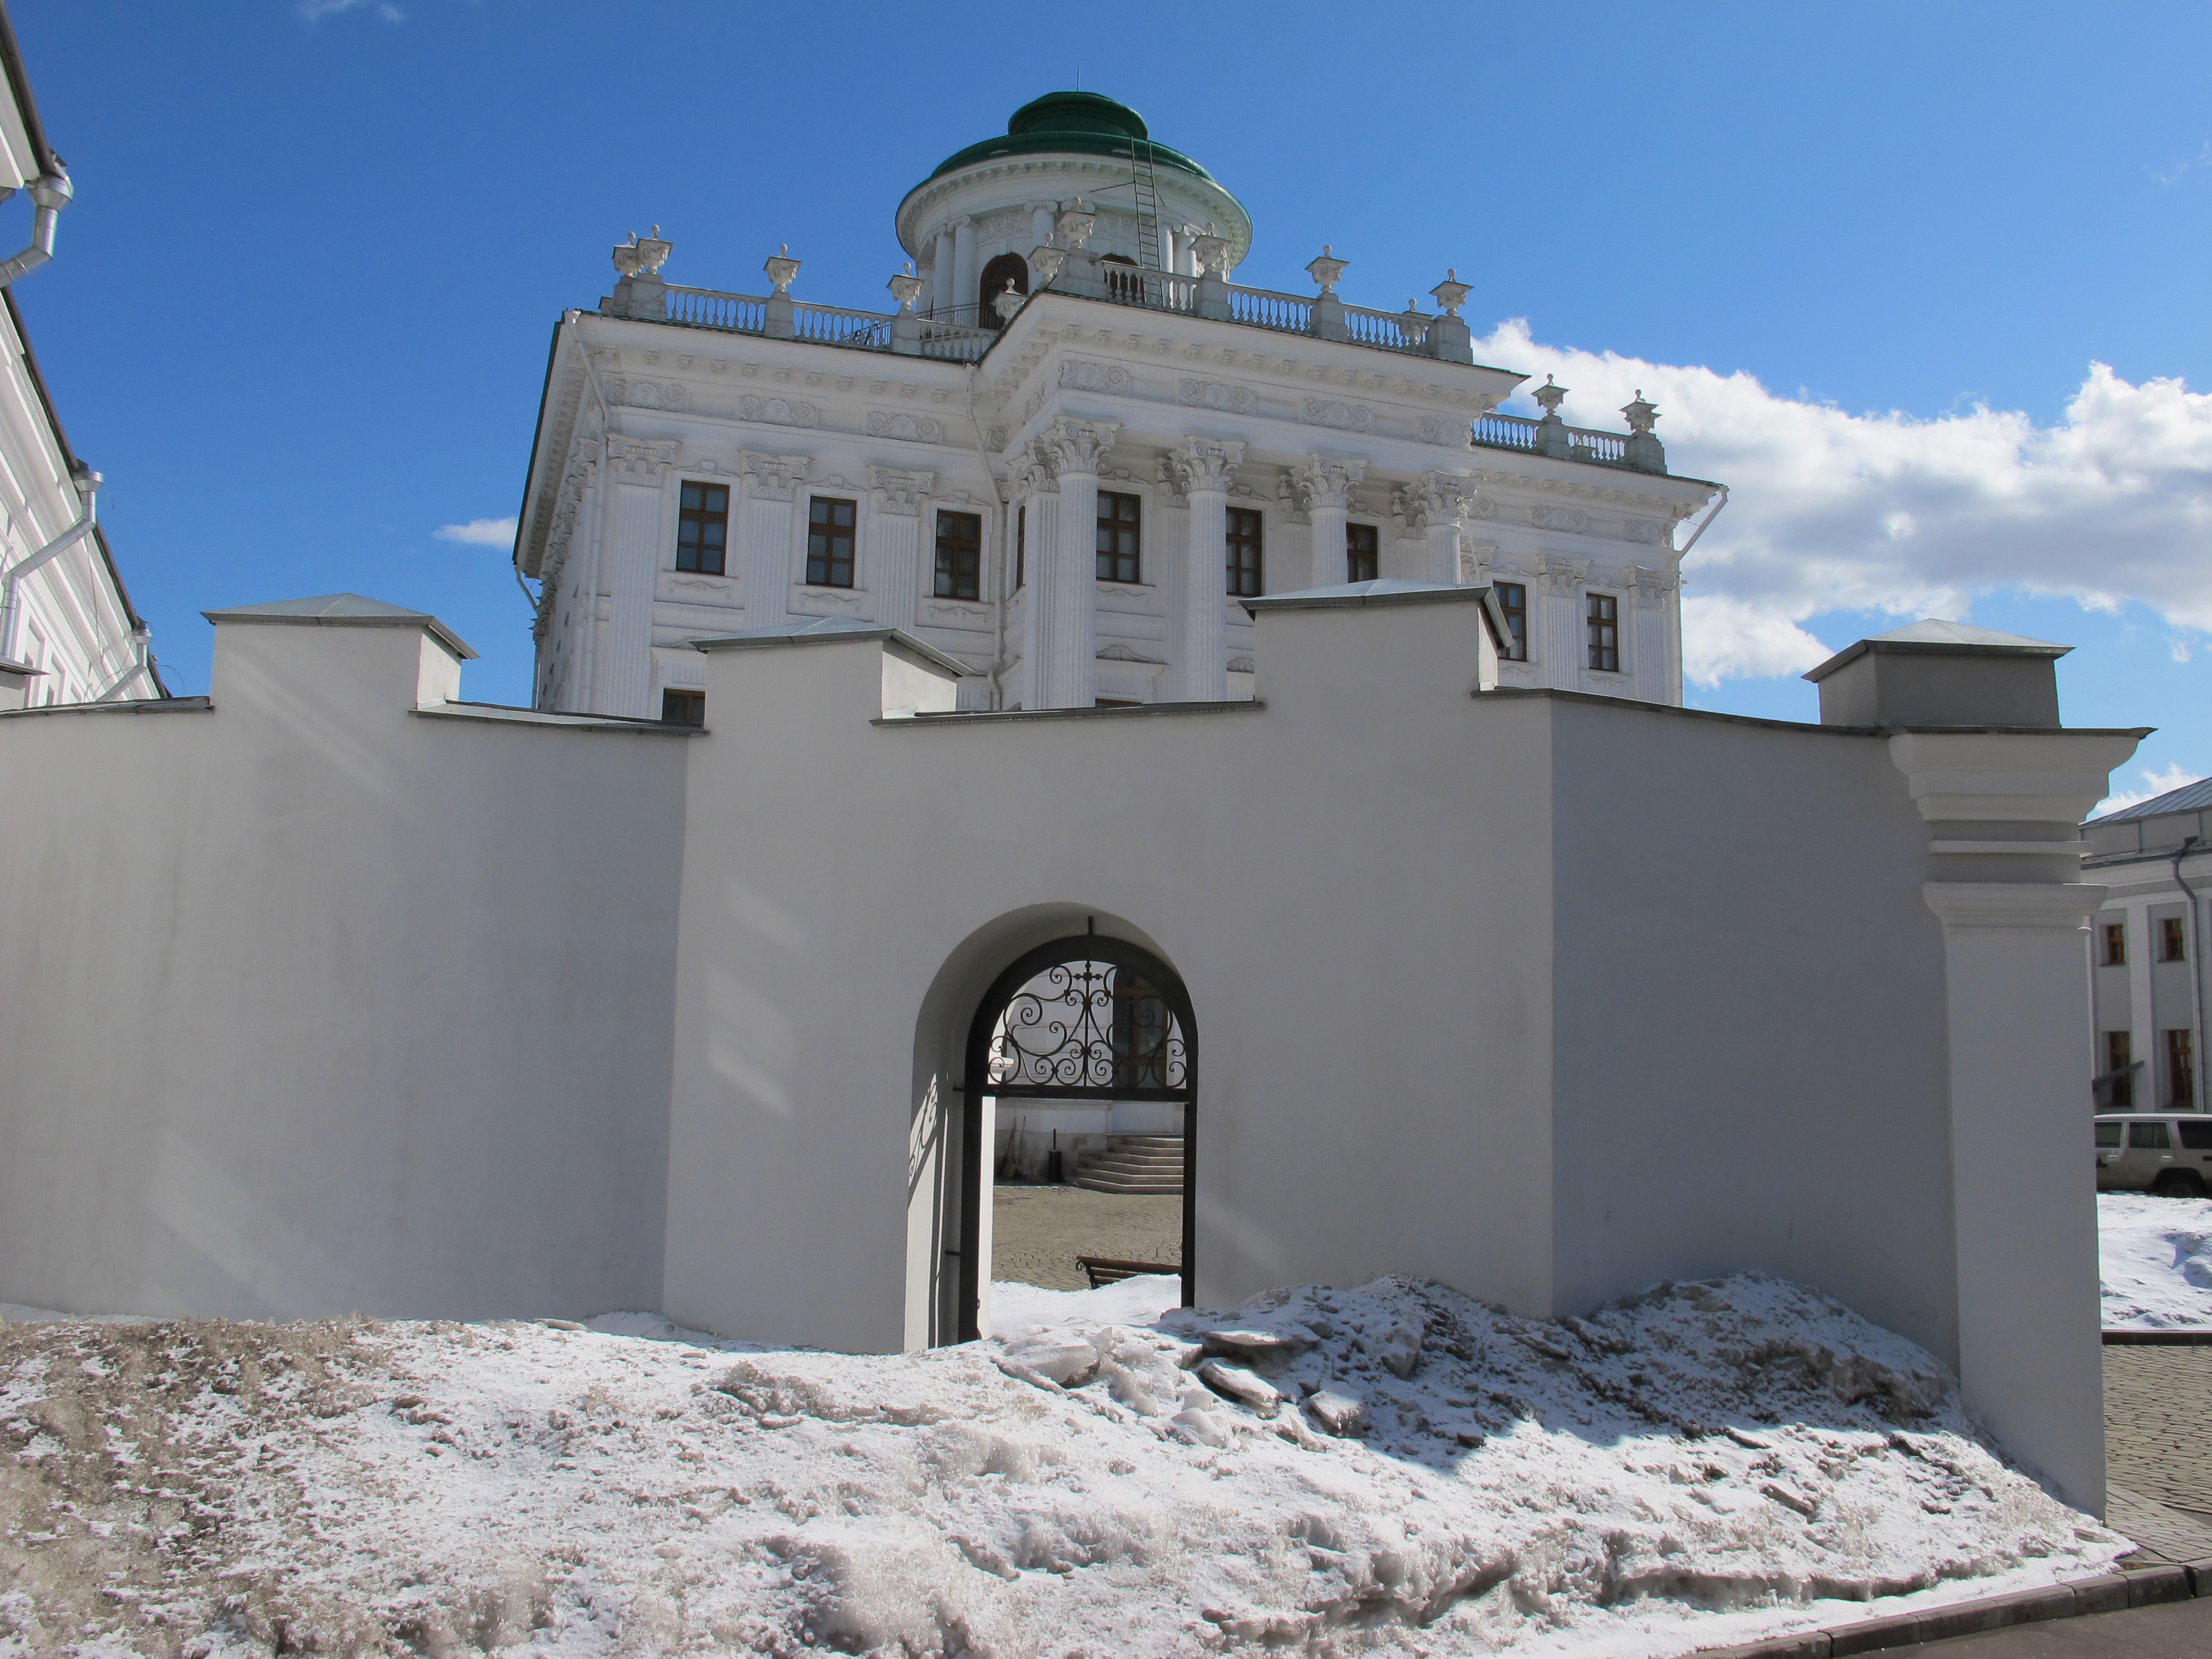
column 1082, row 1019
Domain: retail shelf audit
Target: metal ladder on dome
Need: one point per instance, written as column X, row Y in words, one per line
column 1145, row 183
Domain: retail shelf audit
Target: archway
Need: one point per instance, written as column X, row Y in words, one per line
column 1007, row 267
column 1081, row 1019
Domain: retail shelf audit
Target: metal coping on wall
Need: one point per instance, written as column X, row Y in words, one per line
column 1359, row 594
column 897, row 641
column 1599, row 699
column 139, row 706
column 988, row 716
column 1858, row 648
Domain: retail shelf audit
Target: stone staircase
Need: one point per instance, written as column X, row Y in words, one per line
column 1134, row 1164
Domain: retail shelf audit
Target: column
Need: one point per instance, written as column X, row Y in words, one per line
column 1042, row 506
column 640, row 474
column 940, row 272
column 1441, row 499
column 1067, row 673
column 2143, row 1024
column 964, row 274
column 764, row 543
column 2023, row 1214
column 895, row 572
column 1201, row 654
column 1562, row 641
column 1326, row 487
column 1167, row 556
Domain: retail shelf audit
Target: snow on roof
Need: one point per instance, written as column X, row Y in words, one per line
column 341, row 610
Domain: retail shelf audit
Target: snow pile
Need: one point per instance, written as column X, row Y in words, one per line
column 2155, row 1259
column 1391, row 1470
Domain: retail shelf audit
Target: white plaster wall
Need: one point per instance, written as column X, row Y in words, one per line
column 310, row 1004
column 1750, row 1044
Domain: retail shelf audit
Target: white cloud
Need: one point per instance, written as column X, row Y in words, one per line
column 2160, row 783
column 1911, row 517
column 479, row 533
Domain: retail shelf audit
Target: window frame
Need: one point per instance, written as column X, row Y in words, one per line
column 689, row 699
column 2115, row 945
column 702, row 516
column 1516, row 618
column 830, row 532
column 965, row 559
column 2180, row 1068
column 1117, row 526
column 2119, row 1061
column 2172, row 939
column 1602, row 631
column 1240, row 570
column 1353, row 552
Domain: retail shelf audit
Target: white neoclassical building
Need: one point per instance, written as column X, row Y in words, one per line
column 1067, row 456
column 68, row 633
column 2148, row 985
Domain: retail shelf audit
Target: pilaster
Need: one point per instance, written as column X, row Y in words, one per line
column 771, row 481
column 1066, row 674
column 1649, row 667
column 2002, row 809
column 1560, row 625
column 1201, row 656
column 895, row 529
column 639, row 473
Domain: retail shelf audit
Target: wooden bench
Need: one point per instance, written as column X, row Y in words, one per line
column 1109, row 1270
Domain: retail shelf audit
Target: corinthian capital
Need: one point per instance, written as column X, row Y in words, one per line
column 899, row 492
column 1206, row 463
column 772, row 478
column 633, row 461
column 1076, row 445
column 1327, row 483
column 1437, row 498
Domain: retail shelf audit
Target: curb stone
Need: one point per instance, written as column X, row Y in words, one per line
column 2105, row 1593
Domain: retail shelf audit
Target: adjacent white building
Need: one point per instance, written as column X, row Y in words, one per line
column 68, row 633
column 1068, row 453
column 2147, row 983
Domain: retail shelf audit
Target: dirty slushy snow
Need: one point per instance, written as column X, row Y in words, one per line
column 1695, row 1466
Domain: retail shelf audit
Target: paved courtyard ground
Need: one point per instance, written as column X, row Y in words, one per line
column 1037, row 1232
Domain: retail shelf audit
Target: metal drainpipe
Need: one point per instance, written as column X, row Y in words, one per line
column 11, row 589
column 140, row 638
column 51, row 193
column 1704, row 525
column 2196, row 983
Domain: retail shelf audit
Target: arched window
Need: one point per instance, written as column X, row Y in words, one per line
column 1006, row 268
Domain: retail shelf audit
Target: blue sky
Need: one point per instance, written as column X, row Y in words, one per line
column 1868, row 257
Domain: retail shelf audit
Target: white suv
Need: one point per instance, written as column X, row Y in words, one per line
column 2163, row 1152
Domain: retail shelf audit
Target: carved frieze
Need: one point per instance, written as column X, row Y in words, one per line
column 915, row 428
column 1640, row 530
column 1077, row 374
column 1443, row 429
column 648, row 394
column 1241, row 666
column 1336, row 412
column 1217, row 394
column 1558, row 518
column 777, row 411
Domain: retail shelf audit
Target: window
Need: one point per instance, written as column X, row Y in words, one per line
column 1362, row 556
column 2115, row 945
column 2118, row 1055
column 959, row 556
column 2195, row 1136
column 1244, row 553
column 830, row 541
column 683, row 707
column 1604, row 619
column 2172, row 939
column 702, row 527
column 1006, row 268
column 1118, row 541
column 2149, row 1138
column 2180, row 1069
column 2108, row 1134
column 1513, row 600
column 1021, row 543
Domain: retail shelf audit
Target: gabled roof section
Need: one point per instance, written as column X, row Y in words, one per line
column 2189, row 798
column 342, row 611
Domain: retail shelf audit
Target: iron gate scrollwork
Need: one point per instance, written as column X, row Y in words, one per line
column 1096, row 1027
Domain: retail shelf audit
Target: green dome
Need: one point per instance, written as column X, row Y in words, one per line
column 1072, row 124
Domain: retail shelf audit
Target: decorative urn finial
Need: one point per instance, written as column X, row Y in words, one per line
column 1211, row 252
column 653, row 253
column 1327, row 269
column 1046, row 262
column 1450, row 293
column 628, row 259
column 1640, row 414
column 782, row 268
column 905, row 289
column 1414, row 323
column 1549, row 396
column 1006, row 304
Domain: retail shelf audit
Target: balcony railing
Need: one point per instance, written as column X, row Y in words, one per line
column 1566, row 443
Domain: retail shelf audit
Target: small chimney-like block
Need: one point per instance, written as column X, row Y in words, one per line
column 1942, row 673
